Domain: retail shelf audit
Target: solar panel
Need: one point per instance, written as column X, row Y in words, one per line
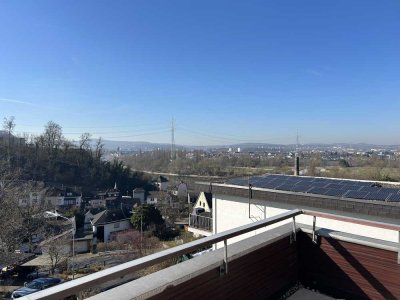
column 318, row 190
column 333, row 186
column 377, row 196
column 319, row 184
column 301, row 188
column 295, row 178
column 270, row 185
column 394, row 198
column 370, row 189
column 318, row 180
column 356, row 194
column 353, row 188
column 285, row 187
column 335, row 192
column 389, row 190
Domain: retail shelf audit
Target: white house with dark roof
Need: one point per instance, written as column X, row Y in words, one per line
column 63, row 198
column 109, row 221
column 204, row 201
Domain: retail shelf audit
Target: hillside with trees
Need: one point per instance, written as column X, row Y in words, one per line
column 53, row 159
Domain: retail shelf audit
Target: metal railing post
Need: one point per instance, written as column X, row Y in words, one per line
column 313, row 229
column 226, row 256
column 398, row 251
column 293, row 239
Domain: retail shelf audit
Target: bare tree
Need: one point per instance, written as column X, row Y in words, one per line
column 99, row 148
column 9, row 125
column 21, row 212
column 57, row 248
column 84, row 142
column 52, row 136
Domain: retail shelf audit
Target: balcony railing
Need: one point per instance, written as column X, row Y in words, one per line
column 77, row 286
column 201, row 222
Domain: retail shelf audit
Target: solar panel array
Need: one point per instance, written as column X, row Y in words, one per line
column 322, row 186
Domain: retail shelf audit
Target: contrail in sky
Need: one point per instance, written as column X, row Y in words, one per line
column 16, row 101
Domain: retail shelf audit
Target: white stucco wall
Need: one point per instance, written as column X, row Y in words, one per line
column 109, row 228
column 230, row 212
column 82, row 246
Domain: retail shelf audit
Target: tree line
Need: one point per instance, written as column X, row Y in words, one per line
column 50, row 157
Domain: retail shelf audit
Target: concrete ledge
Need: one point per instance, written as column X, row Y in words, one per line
column 351, row 238
column 198, row 231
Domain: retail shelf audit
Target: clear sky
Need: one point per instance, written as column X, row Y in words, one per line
column 228, row 71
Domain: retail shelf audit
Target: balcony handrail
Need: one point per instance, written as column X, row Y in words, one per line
column 200, row 216
column 75, row 287
column 200, row 222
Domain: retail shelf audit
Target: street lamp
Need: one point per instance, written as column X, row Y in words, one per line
column 73, row 224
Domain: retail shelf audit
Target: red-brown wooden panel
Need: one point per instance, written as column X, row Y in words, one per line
column 257, row 275
column 348, row 269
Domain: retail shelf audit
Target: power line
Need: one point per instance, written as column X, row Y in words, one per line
column 219, row 138
column 95, row 126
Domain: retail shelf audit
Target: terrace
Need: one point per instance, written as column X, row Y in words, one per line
column 199, row 223
column 263, row 266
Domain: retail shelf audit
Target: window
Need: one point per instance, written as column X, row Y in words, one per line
column 116, row 225
column 204, row 205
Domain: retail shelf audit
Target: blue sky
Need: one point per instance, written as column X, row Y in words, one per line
column 227, row 71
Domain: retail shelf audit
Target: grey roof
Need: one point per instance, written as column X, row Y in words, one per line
column 9, row 259
column 163, row 179
column 110, row 216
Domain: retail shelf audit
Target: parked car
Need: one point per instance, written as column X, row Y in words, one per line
column 40, row 274
column 35, row 286
column 37, row 274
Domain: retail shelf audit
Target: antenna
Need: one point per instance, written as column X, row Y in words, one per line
column 173, row 139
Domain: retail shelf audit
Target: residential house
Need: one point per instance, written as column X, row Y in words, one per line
column 109, row 221
column 160, row 198
column 33, row 198
column 139, row 194
column 108, row 198
column 182, row 190
column 162, row 183
column 200, row 220
column 63, row 198
column 204, row 202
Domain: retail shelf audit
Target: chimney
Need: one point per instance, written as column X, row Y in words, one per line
column 296, row 165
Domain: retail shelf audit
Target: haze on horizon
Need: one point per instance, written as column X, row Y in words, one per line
column 228, row 72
